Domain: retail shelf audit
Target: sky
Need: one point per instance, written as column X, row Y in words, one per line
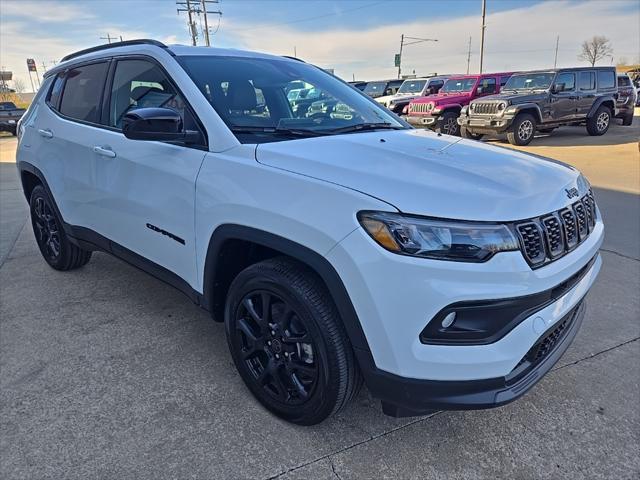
column 357, row 38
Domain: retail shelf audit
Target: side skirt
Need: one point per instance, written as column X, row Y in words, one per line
column 90, row 240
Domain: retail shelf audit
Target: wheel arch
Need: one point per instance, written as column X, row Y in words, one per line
column 606, row 101
column 233, row 247
column 530, row 108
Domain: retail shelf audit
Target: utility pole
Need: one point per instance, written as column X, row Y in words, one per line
column 484, row 10
column 469, row 56
column 412, row 41
column 198, row 7
column 108, row 38
column 555, row 61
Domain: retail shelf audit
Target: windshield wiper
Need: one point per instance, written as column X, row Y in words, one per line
column 366, row 126
column 298, row 132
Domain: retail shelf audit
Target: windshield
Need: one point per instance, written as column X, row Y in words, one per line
column 375, row 87
column 412, row 86
column 458, row 85
column 529, row 81
column 263, row 99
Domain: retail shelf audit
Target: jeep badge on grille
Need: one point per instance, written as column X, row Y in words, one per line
column 572, row 192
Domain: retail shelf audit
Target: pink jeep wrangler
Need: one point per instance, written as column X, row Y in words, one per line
column 441, row 111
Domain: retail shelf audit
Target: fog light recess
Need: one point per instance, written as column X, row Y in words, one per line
column 448, row 320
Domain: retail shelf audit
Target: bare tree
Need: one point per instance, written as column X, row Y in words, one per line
column 19, row 85
column 595, row 49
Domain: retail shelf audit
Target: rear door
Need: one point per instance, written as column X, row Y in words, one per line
column 144, row 191
column 67, row 128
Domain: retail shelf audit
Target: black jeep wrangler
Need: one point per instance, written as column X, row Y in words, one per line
column 542, row 101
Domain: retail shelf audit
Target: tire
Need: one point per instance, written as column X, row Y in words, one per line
column 599, row 123
column 52, row 241
column 627, row 119
column 522, row 129
column 465, row 133
column 448, row 124
column 298, row 363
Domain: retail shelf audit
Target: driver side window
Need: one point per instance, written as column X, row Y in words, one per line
column 568, row 80
column 141, row 84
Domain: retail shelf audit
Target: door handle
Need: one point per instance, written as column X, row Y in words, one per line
column 104, row 151
column 46, row 133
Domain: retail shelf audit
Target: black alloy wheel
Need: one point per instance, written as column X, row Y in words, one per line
column 276, row 347
column 288, row 341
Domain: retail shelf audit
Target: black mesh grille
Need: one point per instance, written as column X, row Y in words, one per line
column 485, row 107
column 570, row 227
column 531, row 238
column 554, row 236
column 581, row 218
column 547, row 238
column 547, row 343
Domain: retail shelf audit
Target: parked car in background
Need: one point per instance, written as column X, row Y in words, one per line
column 382, row 87
column 544, row 100
column 410, row 89
column 9, row 116
column 627, row 99
column 359, row 85
column 441, row 111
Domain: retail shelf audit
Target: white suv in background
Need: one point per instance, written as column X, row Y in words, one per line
column 337, row 243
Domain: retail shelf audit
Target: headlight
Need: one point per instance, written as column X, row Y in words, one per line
column 502, row 106
column 438, row 239
column 430, row 106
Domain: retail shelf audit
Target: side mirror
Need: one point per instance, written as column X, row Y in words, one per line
column 480, row 90
column 388, row 91
column 557, row 88
column 159, row 124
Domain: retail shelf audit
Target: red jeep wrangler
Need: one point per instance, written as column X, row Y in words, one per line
column 441, row 111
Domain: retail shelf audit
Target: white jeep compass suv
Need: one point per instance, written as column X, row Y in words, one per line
column 336, row 243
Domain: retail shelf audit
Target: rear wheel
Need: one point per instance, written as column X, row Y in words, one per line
column 448, row 123
column 288, row 343
column 599, row 123
column 522, row 130
column 52, row 241
column 465, row 133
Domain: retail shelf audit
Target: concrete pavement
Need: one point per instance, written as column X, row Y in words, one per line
column 107, row 373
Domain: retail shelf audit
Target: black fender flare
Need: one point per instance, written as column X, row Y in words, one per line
column 318, row 263
column 596, row 105
column 528, row 106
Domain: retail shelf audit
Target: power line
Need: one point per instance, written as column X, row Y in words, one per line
column 308, row 19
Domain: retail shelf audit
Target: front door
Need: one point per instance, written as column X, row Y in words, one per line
column 564, row 100
column 145, row 190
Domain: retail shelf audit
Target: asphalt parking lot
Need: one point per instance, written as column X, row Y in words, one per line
column 107, row 373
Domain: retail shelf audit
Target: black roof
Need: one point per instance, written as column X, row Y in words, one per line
column 106, row 46
column 568, row 69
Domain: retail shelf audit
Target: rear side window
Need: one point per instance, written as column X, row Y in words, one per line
column 624, row 81
column 587, row 81
column 83, row 92
column 606, row 79
column 53, row 99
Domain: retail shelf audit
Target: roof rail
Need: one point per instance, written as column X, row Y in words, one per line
column 106, row 46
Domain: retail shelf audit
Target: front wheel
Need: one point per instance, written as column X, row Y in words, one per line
column 465, row 133
column 288, row 343
column 448, row 123
column 522, row 130
column 599, row 123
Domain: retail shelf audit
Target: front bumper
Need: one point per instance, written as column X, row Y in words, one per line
column 422, row 120
column 412, row 377
column 486, row 123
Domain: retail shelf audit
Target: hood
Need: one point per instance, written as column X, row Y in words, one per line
column 384, row 99
column 516, row 98
column 423, row 173
column 444, row 99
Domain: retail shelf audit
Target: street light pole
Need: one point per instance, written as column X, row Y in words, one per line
column 484, row 9
column 413, row 41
